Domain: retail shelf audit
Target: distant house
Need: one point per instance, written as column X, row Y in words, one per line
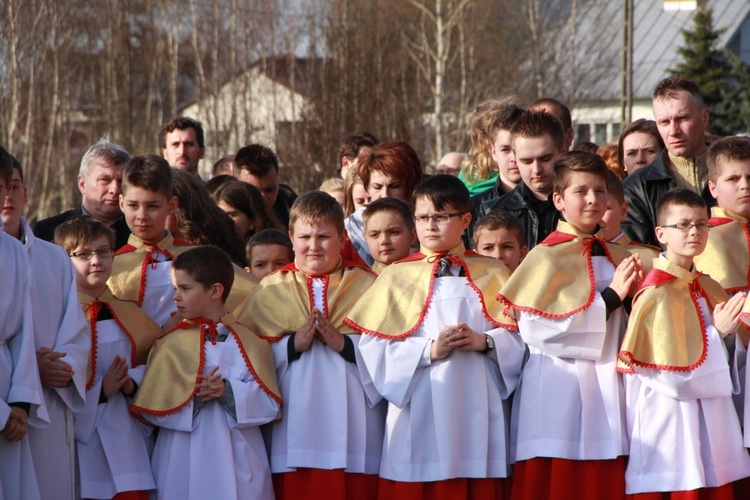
column 262, row 104
column 656, row 37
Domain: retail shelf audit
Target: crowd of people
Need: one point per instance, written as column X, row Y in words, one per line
column 536, row 320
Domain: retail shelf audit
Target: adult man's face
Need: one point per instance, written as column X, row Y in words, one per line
column 268, row 185
column 101, row 190
column 182, row 150
column 682, row 123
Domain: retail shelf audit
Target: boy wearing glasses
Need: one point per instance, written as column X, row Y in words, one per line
column 683, row 429
column 437, row 346
column 111, row 445
column 61, row 340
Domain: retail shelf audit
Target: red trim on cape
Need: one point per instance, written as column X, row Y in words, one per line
column 250, row 366
column 720, row 221
column 557, row 237
column 132, row 340
column 126, row 249
column 93, row 313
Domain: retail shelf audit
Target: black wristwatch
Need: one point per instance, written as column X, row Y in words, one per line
column 490, row 344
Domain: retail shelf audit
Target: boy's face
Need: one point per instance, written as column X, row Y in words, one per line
column 683, row 244
column 146, row 212
column 732, row 187
column 265, row 259
column 502, row 153
column 317, row 246
column 502, row 245
column 442, row 236
column 15, row 199
column 613, row 217
column 583, row 202
column 92, row 274
column 536, row 157
column 193, row 299
column 388, row 237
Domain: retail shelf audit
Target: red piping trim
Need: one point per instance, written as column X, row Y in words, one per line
column 251, row 368
column 93, row 313
column 132, row 340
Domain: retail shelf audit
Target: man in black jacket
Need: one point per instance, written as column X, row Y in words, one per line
column 99, row 180
column 682, row 119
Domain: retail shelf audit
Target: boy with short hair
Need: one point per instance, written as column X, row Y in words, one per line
column 221, row 388
column 684, row 432
column 389, row 231
column 440, row 350
column 617, row 211
column 537, row 140
column 500, row 235
column 141, row 270
column 112, row 448
column 268, row 250
column 61, row 340
column 328, row 441
column 567, row 294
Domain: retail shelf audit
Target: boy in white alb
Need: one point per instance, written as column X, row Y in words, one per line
column 437, row 347
column 111, row 445
column 684, row 432
column 328, row 441
column 209, row 384
column 61, row 339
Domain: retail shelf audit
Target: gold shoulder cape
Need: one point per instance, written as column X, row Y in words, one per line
column 647, row 253
column 128, row 280
column 132, row 320
column 283, row 301
column 556, row 278
column 177, row 359
column 398, row 302
column 666, row 330
column 726, row 257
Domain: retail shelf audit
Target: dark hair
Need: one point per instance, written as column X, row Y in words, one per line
column 247, row 199
column 397, row 159
column 149, row 172
column 577, row 161
column 671, row 85
column 215, row 183
column 257, row 159
column 390, row 205
column 80, row 230
column 533, row 124
column 500, row 219
column 677, row 196
column 222, row 164
column 443, row 190
column 726, row 149
column 7, row 163
column 207, row 265
column 270, row 236
column 183, row 123
column 639, row 125
column 200, row 221
column 586, row 146
column 562, row 112
column 316, row 207
column 614, row 187
column 351, row 144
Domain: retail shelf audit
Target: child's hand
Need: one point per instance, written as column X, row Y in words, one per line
column 466, row 339
column 305, row 335
column 327, row 333
column 17, row 425
column 52, row 371
column 625, row 276
column 727, row 314
column 116, row 377
column 210, row 386
column 640, row 275
column 441, row 346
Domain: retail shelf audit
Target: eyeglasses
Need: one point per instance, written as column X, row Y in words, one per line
column 87, row 255
column 437, row 218
column 685, row 227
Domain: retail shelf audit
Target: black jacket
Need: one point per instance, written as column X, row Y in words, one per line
column 538, row 218
column 476, row 208
column 45, row 229
column 284, row 201
column 642, row 190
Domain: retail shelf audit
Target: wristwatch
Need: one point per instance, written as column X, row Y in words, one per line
column 490, row 344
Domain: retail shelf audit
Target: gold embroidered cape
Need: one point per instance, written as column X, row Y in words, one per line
column 284, row 301
column 177, row 360
column 647, row 253
column 136, row 324
column 128, row 280
column 398, row 302
column 666, row 330
column 556, row 279
column 727, row 254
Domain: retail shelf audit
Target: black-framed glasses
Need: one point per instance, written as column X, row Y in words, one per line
column 87, row 255
column 685, row 227
column 437, row 218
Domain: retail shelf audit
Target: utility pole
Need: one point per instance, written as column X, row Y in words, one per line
column 626, row 99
